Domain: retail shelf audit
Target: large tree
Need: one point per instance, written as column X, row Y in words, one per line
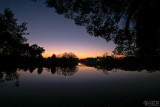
column 133, row 25
column 12, row 40
column 69, row 55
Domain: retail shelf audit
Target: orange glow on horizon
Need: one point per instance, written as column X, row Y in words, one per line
column 79, row 55
column 80, row 50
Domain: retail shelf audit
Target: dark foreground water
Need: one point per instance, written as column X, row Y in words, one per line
column 81, row 85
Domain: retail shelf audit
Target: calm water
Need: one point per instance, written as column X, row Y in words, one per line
column 78, row 85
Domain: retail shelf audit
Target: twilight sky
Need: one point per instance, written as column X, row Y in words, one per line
column 54, row 32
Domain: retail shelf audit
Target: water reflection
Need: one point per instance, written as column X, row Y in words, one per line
column 31, row 69
column 67, row 71
column 78, row 84
column 133, row 68
column 9, row 74
column 40, row 69
column 64, row 71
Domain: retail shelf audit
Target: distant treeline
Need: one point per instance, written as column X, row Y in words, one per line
column 66, row 59
column 15, row 51
column 125, row 63
column 25, row 61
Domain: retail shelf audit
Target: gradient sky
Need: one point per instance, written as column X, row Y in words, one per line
column 54, row 32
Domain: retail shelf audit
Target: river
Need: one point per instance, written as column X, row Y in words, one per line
column 78, row 85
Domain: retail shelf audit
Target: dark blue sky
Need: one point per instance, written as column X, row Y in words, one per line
column 54, row 32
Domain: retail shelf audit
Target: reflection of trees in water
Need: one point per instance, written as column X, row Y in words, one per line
column 105, row 69
column 40, row 70
column 53, row 69
column 31, row 69
column 9, row 74
column 66, row 71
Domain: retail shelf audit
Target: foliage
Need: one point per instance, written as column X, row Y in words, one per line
column 69, row 55
column 133, row 25
column 65, row 59
column 12, row 41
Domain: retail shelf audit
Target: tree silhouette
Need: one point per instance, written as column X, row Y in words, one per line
column 105, row 54
column 69, row 55
column 12, row 41
column 53, row 56
column 36, row 51
column 133, row 25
